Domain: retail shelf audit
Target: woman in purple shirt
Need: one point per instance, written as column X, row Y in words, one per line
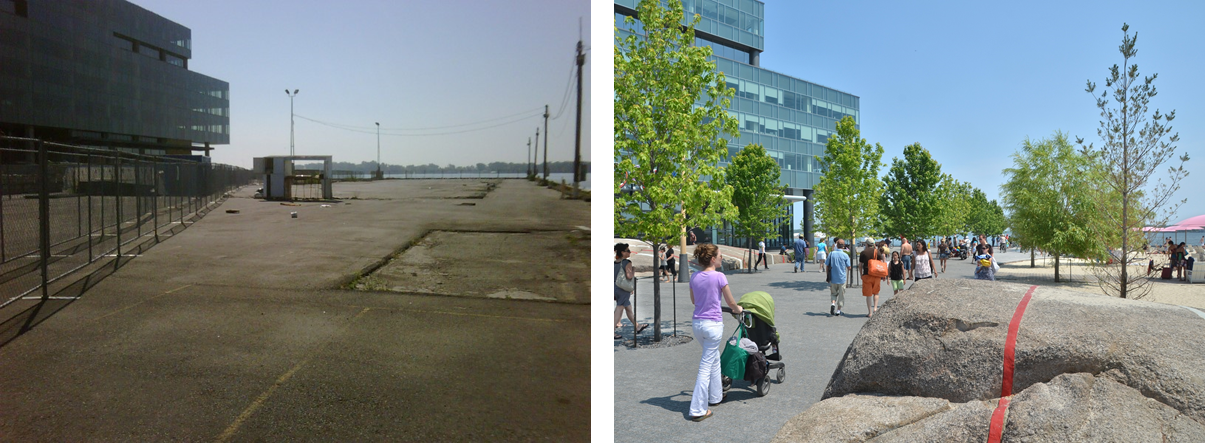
column 706, row 288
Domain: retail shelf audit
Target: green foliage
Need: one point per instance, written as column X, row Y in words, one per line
column 954, row 202
column 912, row 200
column 1051, row 193
column 985, row 218
column 753, row 176
column 1133, row 149
column 848, row 193
column 669, row 120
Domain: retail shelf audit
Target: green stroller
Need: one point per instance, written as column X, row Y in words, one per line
column 756, row 324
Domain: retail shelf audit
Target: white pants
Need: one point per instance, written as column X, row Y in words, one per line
column 708, row 388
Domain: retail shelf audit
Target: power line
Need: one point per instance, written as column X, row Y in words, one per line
column 568, row 88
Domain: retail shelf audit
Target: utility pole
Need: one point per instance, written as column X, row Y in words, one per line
column 545, row 142
column 292, row 123
column 577, row 140
column 380, row 176
column 535, row 163
column 528, row 158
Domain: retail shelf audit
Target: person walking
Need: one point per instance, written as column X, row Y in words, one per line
column 838, row 265
column 870, row 283
column 761, row 255
column 706, row 289
column 943, row 253
column 906, row 255
column 821, row 254
column 895, row 272
column 801, row 253
column 668, row 269
column 983, row 263
column 924, row 261
column 623, row 299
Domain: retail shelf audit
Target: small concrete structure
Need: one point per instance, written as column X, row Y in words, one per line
column 279, row 176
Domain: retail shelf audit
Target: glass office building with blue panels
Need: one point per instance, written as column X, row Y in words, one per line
column 106, row 73
column 791, row 118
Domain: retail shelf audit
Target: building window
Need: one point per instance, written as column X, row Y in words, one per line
column 19, row 8
column 148, row 51
column 174, row 59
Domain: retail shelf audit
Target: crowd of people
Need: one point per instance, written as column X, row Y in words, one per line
column 709, row 288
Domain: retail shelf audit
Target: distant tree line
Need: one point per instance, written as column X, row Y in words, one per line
column 432, row 168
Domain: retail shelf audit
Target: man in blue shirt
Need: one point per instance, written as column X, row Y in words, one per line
column 838, row 264
column 801, row 253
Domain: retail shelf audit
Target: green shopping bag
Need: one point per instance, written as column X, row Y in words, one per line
column 733, row 359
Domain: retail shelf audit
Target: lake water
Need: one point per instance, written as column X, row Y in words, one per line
column 554, row 176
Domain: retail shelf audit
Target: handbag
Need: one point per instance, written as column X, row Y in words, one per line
column 734, row 358
column 995, row 266
column 628, row 285
column 828, row 278
column 875, row 267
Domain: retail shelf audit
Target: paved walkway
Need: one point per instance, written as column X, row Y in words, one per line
column 653, row 386
column 237, row 329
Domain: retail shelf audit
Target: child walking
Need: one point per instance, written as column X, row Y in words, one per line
column 895, row 272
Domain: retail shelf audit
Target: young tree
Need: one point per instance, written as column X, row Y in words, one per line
column 953, row 210
column 756, row 193
column 1050, row 193
column 1134, row 146
column 669, row 117
column 848, row 193
column 911, row 199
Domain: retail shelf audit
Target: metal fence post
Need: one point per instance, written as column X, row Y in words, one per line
column 3, row 186
column 118, row 193
column 635, row 329
column 44, row 216
column 90, row 191
column 155, row 199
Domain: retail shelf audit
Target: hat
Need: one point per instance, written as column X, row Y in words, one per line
column 620, row 247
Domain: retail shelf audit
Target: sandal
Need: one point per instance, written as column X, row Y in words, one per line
column 701, row 417
column 722, row 399
column 641, row 328
column 618, row 337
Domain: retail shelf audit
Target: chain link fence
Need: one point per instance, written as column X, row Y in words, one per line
column 63, row 208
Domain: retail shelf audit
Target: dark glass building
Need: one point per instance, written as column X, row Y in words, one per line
column 791, row 118
column 106, row 73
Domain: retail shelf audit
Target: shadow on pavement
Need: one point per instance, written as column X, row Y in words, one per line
column 669, row 404
column 800, row 285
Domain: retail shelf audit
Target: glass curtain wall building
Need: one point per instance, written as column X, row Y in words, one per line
column 106, row 73
column 790, row 117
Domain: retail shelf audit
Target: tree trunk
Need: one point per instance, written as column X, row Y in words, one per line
column 683, row 265
column 1031, row 258
column 753, row 265
column 1056, row 268
column 656, row 294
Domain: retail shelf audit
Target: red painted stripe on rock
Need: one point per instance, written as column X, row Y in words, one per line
column 1010, row 344
column 997, row 429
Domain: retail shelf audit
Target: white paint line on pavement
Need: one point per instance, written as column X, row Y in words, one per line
column 584, row 228
column 259, row 401
column 1202, row 314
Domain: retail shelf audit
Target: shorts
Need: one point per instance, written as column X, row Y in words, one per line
column 945, row 256
column 870, row 285
column 907, row 262
column 821, row 256
column 897, row 285
column 623, row 300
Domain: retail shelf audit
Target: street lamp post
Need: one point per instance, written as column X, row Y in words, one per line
column 379, row 175
column 292, row 123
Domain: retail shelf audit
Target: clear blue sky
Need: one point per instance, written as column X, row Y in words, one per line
column 970, row 81
column 404, row 64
